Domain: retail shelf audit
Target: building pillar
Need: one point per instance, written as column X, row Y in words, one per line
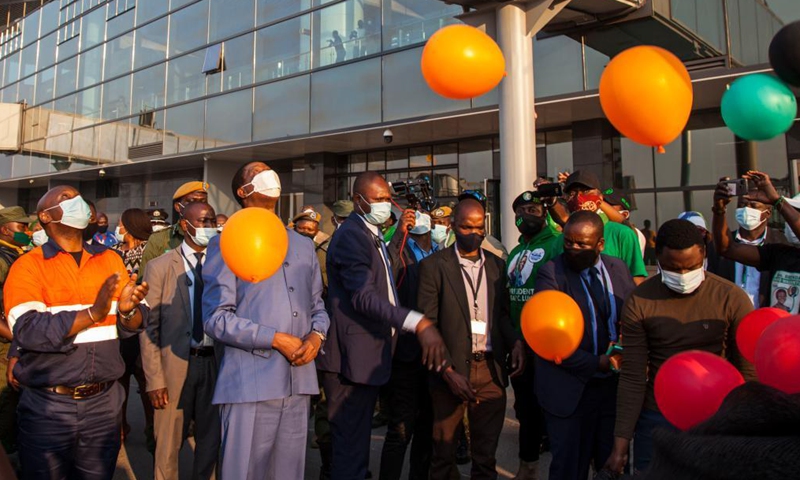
column 517, row 123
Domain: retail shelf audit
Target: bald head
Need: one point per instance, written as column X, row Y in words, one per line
column 368, row 181
column 468, row 207
column 56, row 195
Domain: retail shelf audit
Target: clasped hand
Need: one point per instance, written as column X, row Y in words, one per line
column 298, row 351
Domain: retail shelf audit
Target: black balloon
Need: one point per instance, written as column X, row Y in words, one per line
column 784, row 53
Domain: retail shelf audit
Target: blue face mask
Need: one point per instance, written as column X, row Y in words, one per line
column 422, row 224
column 75, row 213
column 379, row 212
column 439, row 233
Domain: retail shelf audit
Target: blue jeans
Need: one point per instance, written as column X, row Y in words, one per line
column 649, row 420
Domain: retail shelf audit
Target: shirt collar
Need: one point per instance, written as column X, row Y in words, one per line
column 372, row 228
column 463, row 261
column 188, row 251
column 51, row 248
column 758, row 241
column 598, row 265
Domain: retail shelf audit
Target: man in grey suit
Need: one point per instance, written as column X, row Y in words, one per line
column 271, row 331
column 179, row 360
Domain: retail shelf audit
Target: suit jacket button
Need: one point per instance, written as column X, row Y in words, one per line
column 291, row 289
column 188, row 334
column 294, row 314
column 285, row 264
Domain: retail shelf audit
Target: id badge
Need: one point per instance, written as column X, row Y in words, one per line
column 478, row 327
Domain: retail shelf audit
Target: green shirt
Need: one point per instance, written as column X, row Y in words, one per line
column 623, row 243
column 160, row 243
column 524, row 262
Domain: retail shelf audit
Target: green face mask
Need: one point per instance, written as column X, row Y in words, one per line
column 22, row 238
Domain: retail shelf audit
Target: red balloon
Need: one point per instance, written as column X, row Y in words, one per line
column 690, row 387
column 778, row 355
column 752, row 326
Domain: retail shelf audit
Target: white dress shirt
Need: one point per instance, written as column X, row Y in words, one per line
column 189, row 262
column 749, row 278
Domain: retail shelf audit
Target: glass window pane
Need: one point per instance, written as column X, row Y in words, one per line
column 146, row 129
column 595, row 64
column 148, row 89
column 748, row 29
column 120, row 23
column 396, row 159
column 91, row 67
column 709, row 23
column 637, row 163
column 229, row 119
column 30, row 28
column 445, row 154
column 475, row 163
column 445, row 185
column 376, row 161
column 69, row 48
column 772, row 157
column 185, row 80
column 685, row 11
column 12, row 69
column 88, row 103
column 558, row 152
column 116, row 96
column 175, row 4
column 188, row 28
column 347, row 30
column 184, row 128
column 713, row 155
column 734, row 22
column 271, row 10
column 47, row 51
column 764, row 24
column 149, row 9
column 151, row 44
column 281, row 109
column 558, row 68
column 238, row 54
column 336, row 103
column 44, row 85
column 67, row 73
column 283, row 49
column 229, row 17
column 119, row 54
column 66, row 105
column 358, row 162
column 27, row 61
column 94, row 28
column 414, row 21
column 26, row 90
column 405, row 93
column 49, row 17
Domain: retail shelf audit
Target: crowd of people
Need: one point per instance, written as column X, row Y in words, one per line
column 421, row 309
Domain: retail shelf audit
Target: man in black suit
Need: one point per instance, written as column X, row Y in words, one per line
column 463, row 290
column 365, row 314
column 579, row 395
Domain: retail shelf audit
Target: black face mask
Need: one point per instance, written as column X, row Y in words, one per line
column 579, row 260
column 529, row 225
column 470, row 242
column 89, row 232
column 102, row 229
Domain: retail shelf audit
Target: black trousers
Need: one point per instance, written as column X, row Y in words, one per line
column 61, row 438
column 529, row 414
column 410, row 421
column 350, row 408
column 587, row 435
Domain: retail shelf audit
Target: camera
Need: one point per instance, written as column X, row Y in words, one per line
column 388, row 136
column 417, row 192
column 738, row 187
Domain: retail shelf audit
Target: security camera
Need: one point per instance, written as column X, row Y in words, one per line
column 102, row 173
column 388, row 136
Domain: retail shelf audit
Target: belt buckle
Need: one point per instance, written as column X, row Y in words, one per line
column 479, row 356
column 84, row 391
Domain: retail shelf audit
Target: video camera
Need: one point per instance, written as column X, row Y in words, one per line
column 418, row 192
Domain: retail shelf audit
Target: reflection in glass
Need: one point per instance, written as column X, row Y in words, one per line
column 228, row 17
column 89, row 102
column 49, row 17
column 376, row 161
column 26, row 90
column 148, row 89
column 44, row 86
column 358, row 163
column 445, row 185
column 229, row 119
column 414, row 21
column 184, row 128
column 94, row 28
column 150, row 9
column 347, row 30
column 420, row 157
column 30, row 28
column 67, row 73
column 119, row 54
column 120, row 23
column 151, row 43
column 283, row 49
column 68, row 48
column 595, row 64
column 12, row 69
column 558, row 66
column 475, row 163
column 238, row 56
column 188, row 28
column 47, row 52
column 91, row 67
column 185, row 80
column 396, row 159
column 116, row 98
column 271, row 10
column 281, row 109
column 147, row 129
column 27, row 61
column 346, row 96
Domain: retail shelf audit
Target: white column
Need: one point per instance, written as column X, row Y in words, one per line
column 517, row 124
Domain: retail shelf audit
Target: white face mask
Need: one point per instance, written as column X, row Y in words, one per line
column 379, row 212
column 749, row 218
column 266, row 183
column 40, row 238
column 158, row 228
column 75, row 213
column 119, row 235
column 787, row 230
column 422, row 224
column 439, row 234
column 202, row 236
column 683, row 283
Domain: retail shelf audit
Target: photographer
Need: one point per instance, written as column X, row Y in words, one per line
column 781, row 261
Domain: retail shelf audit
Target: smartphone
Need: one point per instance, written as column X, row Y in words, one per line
column 737, row 188
column 548, row 190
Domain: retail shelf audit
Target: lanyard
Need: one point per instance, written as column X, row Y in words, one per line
column 473, row 287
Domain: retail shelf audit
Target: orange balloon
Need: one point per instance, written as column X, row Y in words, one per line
column 254, row 243
column 646, row 93
column 552, row 324
column 462, row 62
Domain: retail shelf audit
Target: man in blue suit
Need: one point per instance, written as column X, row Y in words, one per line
column 365, row 316
column 579, row 395
column 271, row 332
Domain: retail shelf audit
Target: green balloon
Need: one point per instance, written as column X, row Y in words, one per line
column 758, row 107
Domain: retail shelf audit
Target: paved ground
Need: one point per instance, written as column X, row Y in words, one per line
column 135, row 463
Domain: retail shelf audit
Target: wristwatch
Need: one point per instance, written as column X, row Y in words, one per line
column 321, row 335
column 129, row 315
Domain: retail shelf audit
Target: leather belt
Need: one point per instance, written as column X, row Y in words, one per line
column 481, row 356
column 201, row 352
column 81, row 391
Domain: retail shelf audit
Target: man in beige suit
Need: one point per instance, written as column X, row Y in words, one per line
column 179, row 360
